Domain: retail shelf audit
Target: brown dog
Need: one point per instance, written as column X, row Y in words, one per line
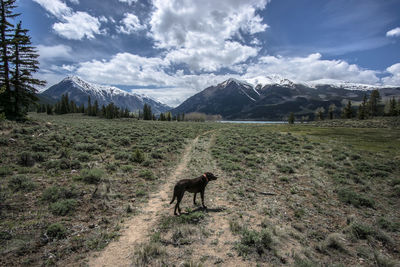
column 196, row 185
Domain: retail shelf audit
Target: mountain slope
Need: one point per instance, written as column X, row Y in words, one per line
column 273, row 98
column 78, row 90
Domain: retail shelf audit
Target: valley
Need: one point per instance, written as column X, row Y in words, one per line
column 75, row 187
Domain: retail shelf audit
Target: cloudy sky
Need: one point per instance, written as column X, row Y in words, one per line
column 171, row 49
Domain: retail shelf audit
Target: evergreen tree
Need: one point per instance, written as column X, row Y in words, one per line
column 398, row 107
column 168, row 116
column 363, row 109
column 81, row 108
column 49, row 109
column 95, row 108
column 319, row 113
column 25, row 63
column 89, row 107
column 331, row 111
column 6, row 29
column 347, row 112
column 147, row 114
column 291, row 118
column 392, row 107
column 64, row 106
column 373, row 103
column 126, row 113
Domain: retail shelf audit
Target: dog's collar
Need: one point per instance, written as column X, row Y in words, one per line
column 205, row 176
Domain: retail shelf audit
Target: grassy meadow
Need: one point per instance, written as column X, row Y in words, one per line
column 294, row 195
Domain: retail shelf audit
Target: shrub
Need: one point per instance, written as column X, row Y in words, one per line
column 147, row 253
column 361, row 231
column 5, row 170
column 64, row 164
column 56, row 231
column 124, row 141
column 138, row 156
column 127, row 168
column 92, row 176
column 254, row 242
column 54, row 193
column 333, row 241
column 121, row 156
column 84, row 157
column 26, row 159
column 285, row 168
column 39, row 156
column 63, row 207
column 21, row 183
column 350, row 197
column 91, row 148
column 157, row 154
column 388, row 225
column 147, row 174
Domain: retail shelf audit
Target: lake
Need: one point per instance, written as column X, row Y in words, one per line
column 255, row 122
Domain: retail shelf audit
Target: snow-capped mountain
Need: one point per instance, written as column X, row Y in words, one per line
column 78, row 90
column 274, row 97
column 275, row 79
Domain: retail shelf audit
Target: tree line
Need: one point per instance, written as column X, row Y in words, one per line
column 110, row 111
column 18, row 63
column 371, row 106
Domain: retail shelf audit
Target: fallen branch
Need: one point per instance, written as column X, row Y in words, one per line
column 267, row 193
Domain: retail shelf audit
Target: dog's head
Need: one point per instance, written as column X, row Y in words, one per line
column 210, row 176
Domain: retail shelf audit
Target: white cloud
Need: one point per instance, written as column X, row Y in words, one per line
column 170, row 96
column 103, row 19
column 394, row 32
column 192, row 31
column 311, row 68
column 73, row 25
column 78, row 26
column 205, row 58
column 129, row 2
column 76, row 2
column 55, row 7
column 394, row 78
column 54, row 52
column 130, row 24
column 125, row 69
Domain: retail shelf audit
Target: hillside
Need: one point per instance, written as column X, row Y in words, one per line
column 78, row 90
column 274, row 100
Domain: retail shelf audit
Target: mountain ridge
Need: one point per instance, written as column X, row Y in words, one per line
column 276, row 98
column 78, row 90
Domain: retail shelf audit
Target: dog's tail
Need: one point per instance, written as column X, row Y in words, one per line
column 173, row 199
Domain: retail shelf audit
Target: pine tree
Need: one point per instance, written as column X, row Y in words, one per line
column 392, row 107
column 347, row 112
column 95, row 108
column 6, row 29
column 89, row 107
column 331, row 111
column 24, row 60
column 49, row 109
column 64, row 107
column 373, row 103
column 319, row 113
column 363, row 109
column 291, row 118
column 147, row 114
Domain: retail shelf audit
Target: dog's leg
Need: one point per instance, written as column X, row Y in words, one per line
column 202, row 198
column 179, row 198
column 194, row 199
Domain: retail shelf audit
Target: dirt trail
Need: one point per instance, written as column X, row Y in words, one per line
column 119, row 253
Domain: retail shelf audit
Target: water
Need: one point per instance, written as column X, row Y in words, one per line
column 256, row 122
